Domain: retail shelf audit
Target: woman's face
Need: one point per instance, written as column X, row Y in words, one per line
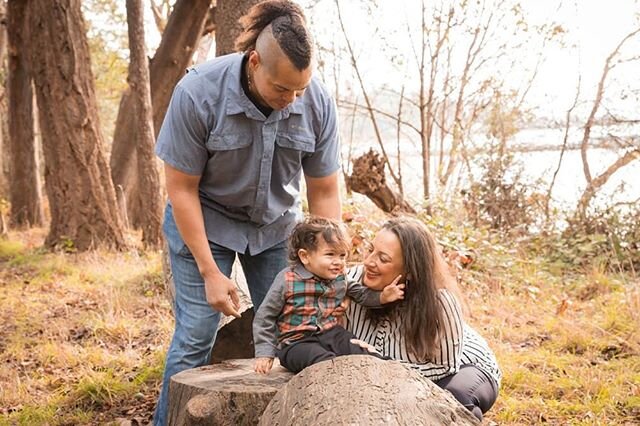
column 385, row 261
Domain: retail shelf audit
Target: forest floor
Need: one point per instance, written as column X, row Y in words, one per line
column 83, row 336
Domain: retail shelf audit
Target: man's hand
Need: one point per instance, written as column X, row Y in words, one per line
column 263, row 365
column 222, row 294
column 392, row 292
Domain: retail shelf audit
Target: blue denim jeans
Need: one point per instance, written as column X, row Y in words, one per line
column 196, row 321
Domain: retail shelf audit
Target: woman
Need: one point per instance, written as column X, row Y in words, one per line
column 426, row 329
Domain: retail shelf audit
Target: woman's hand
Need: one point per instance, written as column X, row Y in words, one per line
column 364, row 345
column 392, row 292
column 263, row 365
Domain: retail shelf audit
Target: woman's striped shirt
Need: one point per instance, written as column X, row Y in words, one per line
column 460, row 344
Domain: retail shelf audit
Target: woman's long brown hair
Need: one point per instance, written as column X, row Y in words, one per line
column 426, row 272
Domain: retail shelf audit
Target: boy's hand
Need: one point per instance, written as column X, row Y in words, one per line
column 263, row 365
column 392, row 292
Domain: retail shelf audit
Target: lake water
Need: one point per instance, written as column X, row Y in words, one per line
column 623, row 186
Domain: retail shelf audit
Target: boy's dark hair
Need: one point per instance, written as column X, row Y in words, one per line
column 289, row 27
column 306, row 236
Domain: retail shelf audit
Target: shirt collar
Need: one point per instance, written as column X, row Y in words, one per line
column 302, row 272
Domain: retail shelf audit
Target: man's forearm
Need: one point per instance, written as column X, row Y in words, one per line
column 323, row 195
column 329, row 207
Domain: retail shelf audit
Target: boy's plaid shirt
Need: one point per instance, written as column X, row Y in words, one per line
column 299, row 304
column 309, row 303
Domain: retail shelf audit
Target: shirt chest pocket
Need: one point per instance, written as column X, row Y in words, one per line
column 228, row 141
column 229, row 152
column 290, row 151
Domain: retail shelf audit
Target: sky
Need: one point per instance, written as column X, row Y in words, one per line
column 593, row 29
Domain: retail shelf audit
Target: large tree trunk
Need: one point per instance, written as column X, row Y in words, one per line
column 24, row 190
column 227, row 27
column 4, row 138
column 179, row 40
column 368, row 178
column 149, row 181
column 363, row 390
column 230, row 393
column 82, row 200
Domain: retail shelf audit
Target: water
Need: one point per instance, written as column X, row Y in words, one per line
column 537, row 166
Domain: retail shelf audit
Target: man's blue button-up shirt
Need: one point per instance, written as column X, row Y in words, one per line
column 250, row 164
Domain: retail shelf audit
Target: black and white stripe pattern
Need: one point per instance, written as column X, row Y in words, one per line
column 459, row 345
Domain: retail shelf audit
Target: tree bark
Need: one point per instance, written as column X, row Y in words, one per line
column 149, row 181
column 4, row 131
column 363, row 390
column 230, row 393
column 227, row 27
column 82, row 200
column 24, row 189
column 368, row 178
column 179, row 40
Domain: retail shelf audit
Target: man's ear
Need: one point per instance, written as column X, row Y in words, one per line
column 303, row 255
column 254, row 59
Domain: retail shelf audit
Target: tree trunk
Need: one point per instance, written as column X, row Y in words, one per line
column 230, row 393
column 24, row 178
column 360, row 389
column 227, row 27
column 82, row 200
column 179, row 40
column 149, row 181
column 4, row 131
column 368, row 178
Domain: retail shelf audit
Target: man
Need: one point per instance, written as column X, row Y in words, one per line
column 239, row 131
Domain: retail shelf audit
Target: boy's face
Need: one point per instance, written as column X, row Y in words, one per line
column 326, row 262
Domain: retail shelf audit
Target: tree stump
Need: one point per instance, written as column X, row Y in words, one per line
column 229, row 393
column 368, row 178
column 363, row 390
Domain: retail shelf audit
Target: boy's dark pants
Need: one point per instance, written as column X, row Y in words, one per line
column 319, row 347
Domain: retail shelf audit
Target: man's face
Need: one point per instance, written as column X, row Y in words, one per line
column 279, row 83
column 326, row 261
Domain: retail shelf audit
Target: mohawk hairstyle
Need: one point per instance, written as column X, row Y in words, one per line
column 289, row 28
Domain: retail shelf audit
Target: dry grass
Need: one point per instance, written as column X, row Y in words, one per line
column 82, row 337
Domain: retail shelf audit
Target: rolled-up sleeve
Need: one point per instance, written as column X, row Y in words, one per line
column 182, row 137
column 325, row 160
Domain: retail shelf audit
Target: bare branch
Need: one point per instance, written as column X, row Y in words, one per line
column 366, row 96
column 348, row 103
column 565, row 141
column 608, row 65
column 597, row 182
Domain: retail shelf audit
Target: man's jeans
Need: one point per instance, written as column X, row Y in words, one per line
column 196, row 321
